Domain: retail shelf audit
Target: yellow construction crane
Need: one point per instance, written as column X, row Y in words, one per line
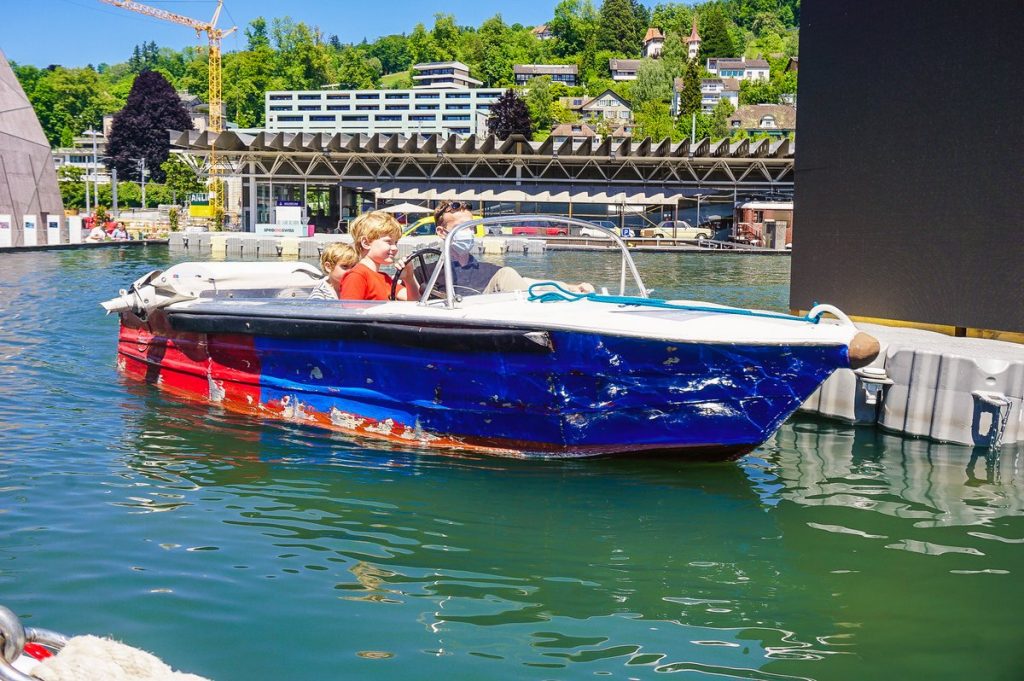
column 214, row 35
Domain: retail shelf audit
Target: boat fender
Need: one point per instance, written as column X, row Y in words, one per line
column 864, row 348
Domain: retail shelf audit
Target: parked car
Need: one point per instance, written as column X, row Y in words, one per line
column 425, row 227
column 676, row 229
column 607, row 224
column 540, row 228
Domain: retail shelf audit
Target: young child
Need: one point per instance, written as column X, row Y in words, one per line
column 375, row 235
column 336, row 261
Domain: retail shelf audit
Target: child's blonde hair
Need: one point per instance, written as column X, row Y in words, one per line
column 372, row 226
column 338, row 254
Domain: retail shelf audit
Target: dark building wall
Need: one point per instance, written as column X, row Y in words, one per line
column 910, row 161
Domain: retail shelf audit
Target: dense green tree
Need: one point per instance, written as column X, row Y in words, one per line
column 672, row 16
column 674, row 54
column 446, row 36
column 69, row 101
column 622, row 26
column 356, row 71
column 758, row 92
column 181, row 179
column 503, row 47
column 538, row 102
column 421, row 46
column 652, row 84
column 690, row 97
column 140, row 129
column 304, row 60
column 716, row 40
column 392, row 51
column 574, row 27
column 256, row 34
column 247, row 77
column 71, row 181
column 509, row 116
column 653, row 120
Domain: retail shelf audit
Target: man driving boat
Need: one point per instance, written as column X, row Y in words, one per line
column 469, row 275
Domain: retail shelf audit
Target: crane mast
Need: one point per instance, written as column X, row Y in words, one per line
column 214, row 36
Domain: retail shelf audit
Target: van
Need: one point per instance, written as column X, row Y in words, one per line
column 676, row 229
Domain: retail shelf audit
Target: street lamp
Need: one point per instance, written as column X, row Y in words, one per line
column 142, row 178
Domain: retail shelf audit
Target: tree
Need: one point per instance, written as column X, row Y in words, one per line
column 181, row 179
column 538, row 103
column 509, row 116
column 690, row 97
column 356, row 72
column 256, row 34
column 446, row 35
column 621, row 28
column 574, row 27
column 652, row 84
column 653, row 120
column 392, row 51
column 672, row 16
column 421, row 46
column 716, row 40
column 71, row 181
column 140, row 129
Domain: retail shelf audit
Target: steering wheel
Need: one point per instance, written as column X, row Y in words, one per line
column 421, row 269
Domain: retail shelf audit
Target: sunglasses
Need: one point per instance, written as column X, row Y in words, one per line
column 453, row 207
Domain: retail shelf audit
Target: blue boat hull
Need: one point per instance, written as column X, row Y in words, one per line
column 580, row 394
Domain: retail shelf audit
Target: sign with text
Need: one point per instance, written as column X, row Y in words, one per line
column 278, row 229
column 6, row 237
column 29, row 222
column 52, row 229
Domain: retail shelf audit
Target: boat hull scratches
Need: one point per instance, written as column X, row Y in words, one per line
column 587, row 395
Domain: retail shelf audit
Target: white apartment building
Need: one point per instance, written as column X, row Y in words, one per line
column 446, row 75
column 740, row 69
column 439, row 112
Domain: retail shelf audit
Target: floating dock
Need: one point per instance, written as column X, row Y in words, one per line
column 967, row 391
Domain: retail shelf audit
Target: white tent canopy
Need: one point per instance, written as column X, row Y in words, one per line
column 407, row 208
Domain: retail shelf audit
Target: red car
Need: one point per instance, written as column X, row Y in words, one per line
column 541, row 229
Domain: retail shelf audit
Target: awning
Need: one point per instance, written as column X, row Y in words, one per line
column 582, row 194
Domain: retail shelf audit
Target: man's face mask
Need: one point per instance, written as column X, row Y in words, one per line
column 463, row 242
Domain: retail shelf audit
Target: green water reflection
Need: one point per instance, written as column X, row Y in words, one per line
column 245, row 550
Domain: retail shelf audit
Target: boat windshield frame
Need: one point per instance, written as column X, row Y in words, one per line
column 450, row 298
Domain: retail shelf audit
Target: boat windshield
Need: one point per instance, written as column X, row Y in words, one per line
column 552, row 225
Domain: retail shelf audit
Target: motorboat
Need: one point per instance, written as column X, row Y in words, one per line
column 540, row 372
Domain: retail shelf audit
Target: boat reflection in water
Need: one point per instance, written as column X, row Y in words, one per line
column 780, row 566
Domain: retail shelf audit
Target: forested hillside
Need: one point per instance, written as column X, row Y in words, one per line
column 281, row 54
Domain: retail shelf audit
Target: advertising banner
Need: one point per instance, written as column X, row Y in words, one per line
column 6, row 236
column 52, row 229
column 30, row 230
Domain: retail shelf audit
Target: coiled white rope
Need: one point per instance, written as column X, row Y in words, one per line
column 81, row 658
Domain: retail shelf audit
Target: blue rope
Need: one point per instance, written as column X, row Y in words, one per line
column 556, row 293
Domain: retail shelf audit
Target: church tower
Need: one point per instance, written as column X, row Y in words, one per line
column 693, row 42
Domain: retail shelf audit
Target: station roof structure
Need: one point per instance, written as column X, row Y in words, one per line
column 430, row 166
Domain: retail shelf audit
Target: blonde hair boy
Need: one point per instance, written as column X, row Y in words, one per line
column 336, row 254
column 371, row 226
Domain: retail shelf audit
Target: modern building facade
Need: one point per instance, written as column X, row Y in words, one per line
column 28, row 184
column 740, row 69
column 712, row 91
column 443, row 75
column 437, row 112
column 559, row 73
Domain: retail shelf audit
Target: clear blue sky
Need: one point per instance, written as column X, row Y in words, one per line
column 80, row 32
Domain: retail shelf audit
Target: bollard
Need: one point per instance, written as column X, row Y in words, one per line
column 235, row 246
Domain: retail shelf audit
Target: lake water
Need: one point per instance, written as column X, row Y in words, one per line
column 243, row 550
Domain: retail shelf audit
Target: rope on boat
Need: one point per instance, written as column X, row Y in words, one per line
column 555, row 293
column 81, row 658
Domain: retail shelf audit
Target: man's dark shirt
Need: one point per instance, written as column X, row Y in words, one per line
column 469, row 280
